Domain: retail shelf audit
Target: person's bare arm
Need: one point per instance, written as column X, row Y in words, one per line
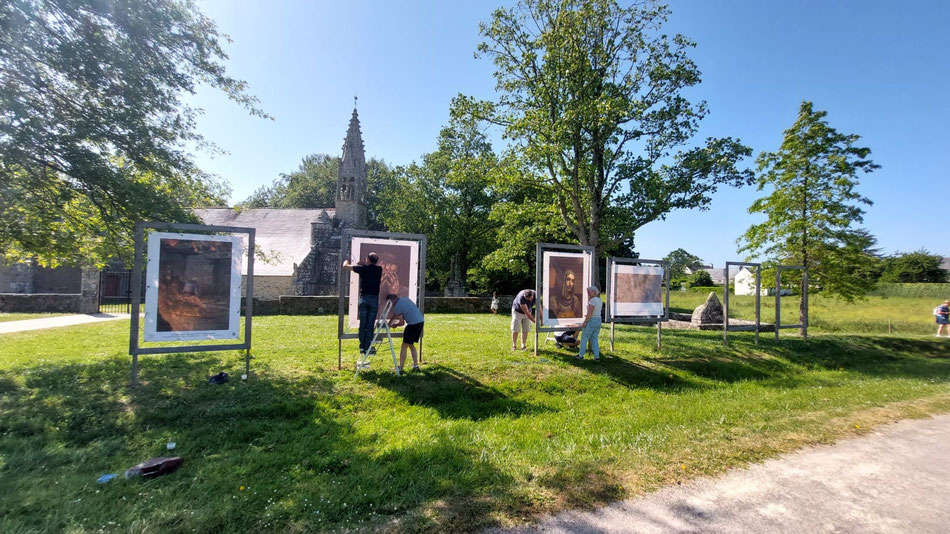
column 527, row 311
column 590, row 313
column 347, row 265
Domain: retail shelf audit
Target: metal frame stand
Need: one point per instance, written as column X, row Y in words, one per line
column 135, row 349
column 645, row 320
column 778, row 299
column 758, row 298
column 382, row 326
column 538, row 277
column 344, row 281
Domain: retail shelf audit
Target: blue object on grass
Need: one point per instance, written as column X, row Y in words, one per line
column 106, row 478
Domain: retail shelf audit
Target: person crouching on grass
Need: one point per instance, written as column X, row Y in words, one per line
column 404, row 311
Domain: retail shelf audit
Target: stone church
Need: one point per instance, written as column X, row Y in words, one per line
column 305, row 243
column 318, row 272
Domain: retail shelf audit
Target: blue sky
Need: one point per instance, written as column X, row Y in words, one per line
column 880, row 69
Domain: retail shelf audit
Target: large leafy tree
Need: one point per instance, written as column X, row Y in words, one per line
column 448, row 197
column 313, row 185
column 913, row 267
column 591, row 95
column 679, row 260
column 814, row 206
column 93, row 132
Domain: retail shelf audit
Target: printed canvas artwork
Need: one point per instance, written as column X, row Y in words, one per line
column 565, row 278
column 193, row 287
column 400, row 262
column 636, row 290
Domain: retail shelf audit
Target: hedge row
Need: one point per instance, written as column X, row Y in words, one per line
column 935, row 291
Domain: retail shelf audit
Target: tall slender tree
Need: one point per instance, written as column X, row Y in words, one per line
column 814, row 206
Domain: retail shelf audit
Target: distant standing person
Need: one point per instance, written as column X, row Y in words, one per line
column 591, row 324
column 370, row 274
column 942, row 314
column 404, row 311
column 494, row 303
column 521, row 318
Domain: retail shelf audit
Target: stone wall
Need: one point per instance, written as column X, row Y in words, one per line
column 28, row 277
column 329, row 305
column 16, row 278
column 268, row 287
column 85, row 301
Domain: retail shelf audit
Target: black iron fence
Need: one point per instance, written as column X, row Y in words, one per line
column 115, row 290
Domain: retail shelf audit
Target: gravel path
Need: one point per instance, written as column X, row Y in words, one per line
column 895, row 480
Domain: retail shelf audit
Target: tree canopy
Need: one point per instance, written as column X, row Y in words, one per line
column 449, row 197
column 93, row 132
column 814, row 206
column 591, row 95
column 913, row 267
column 679, row 260
column 313, row 186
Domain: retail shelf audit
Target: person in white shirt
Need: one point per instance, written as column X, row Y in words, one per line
column 591, row 324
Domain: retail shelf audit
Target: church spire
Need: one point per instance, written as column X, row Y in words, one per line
column 351, row 180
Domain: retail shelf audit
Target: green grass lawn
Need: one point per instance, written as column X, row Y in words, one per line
column 480, row 436
column 907, row 316
column 5, row 317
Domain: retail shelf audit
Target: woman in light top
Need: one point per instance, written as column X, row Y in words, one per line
column 591, row 324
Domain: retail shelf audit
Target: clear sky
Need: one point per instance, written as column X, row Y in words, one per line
column 880, row 69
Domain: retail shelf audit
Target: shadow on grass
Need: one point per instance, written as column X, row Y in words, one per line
column 268, row 454
column 782, row 361
column 869, row 355
column 627, row 373
column 454, row 395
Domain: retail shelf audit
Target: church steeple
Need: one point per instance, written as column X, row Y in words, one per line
column 351, row 179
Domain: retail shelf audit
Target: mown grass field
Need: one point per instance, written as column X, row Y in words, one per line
column 907, row 316
column 482, row 435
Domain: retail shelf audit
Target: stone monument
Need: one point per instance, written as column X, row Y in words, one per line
column 710, row 312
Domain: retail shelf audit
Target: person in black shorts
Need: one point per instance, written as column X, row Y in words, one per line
column 370, row 274
column 404, row 311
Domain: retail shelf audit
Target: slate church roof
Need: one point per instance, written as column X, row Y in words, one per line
column 282, row 231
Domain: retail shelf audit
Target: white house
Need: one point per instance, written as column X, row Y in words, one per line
column 745, row 282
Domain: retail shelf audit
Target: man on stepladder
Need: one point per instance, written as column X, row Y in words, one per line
column 370, row 275
column 404, row 311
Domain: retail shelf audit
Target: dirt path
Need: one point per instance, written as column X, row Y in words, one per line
column 895, row 480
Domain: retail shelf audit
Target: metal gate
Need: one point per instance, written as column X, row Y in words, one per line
column 115, row 290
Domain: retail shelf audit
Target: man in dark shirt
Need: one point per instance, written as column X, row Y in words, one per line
column 370, row 274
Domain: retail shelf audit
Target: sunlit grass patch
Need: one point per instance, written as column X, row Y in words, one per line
column 481, row 434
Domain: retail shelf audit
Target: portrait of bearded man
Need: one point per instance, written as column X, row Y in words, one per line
column 566, row 303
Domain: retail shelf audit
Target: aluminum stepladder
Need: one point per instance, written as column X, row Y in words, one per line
column 382, row 328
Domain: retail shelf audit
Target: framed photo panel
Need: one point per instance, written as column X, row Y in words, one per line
column 635, row 290
column 565, row 277
column 400, row 262
column 193, row 287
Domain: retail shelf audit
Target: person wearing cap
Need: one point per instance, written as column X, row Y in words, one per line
column 591, row 324
column 404, row 311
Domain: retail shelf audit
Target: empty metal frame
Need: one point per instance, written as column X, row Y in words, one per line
column 539, row 295
column 344, row 281
column 612, row 262
column 725, row 298
column 134, row 348
column 778, row 299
